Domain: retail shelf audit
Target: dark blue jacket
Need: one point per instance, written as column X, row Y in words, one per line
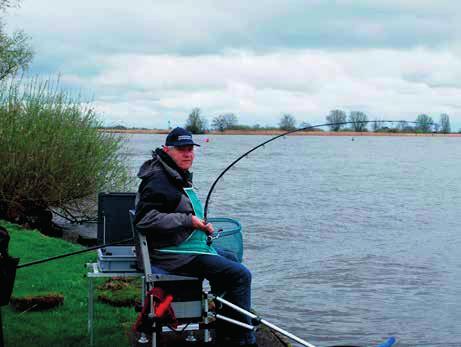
column 163, row 210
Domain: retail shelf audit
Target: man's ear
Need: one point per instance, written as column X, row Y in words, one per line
column 165, row 149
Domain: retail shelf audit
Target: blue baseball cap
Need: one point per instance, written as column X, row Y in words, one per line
column 179, row 137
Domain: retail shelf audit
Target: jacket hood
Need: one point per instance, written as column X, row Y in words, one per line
column 148, row 168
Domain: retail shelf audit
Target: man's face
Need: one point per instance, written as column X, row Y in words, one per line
column 183, row 156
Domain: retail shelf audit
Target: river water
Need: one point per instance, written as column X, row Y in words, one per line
column 349, row 240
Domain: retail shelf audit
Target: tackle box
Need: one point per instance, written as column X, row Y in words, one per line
column 117, row 259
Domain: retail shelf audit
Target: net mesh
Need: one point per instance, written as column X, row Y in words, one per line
column 231, row 237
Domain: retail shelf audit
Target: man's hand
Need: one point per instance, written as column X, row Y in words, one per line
column 197, row 223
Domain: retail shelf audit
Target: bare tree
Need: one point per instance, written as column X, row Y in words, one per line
column 224, row 121
column 287, row 122
column 444, row 122
column 359, row 120
column 376, row 125
column 334, row 118
column 424, row 123
column 195, row 123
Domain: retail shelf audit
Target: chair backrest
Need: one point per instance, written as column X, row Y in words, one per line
column 142, row 251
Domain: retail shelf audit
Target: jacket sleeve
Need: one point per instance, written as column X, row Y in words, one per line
column 151, row 218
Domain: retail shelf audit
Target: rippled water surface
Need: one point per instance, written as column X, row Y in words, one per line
column 348, row 241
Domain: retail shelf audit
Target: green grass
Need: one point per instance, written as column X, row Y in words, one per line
column 120, row 291
column 65, row 325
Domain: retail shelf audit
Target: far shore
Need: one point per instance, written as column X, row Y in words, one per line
column 279, row 132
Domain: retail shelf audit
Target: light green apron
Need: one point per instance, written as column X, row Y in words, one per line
column 196, row 243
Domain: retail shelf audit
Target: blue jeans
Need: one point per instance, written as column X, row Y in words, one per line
column 231, row 279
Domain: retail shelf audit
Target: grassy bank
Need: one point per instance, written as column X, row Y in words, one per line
column 67, row 324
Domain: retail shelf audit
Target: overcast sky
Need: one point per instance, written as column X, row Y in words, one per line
column 149, row 62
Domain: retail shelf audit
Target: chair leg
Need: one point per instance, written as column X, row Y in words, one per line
column 206, row 318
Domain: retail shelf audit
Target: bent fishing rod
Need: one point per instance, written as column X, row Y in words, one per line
column 216, row 181
column 310, row 127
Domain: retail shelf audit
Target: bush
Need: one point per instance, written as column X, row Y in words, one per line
column 52, row 153
column 287, row 122
column 195, row 123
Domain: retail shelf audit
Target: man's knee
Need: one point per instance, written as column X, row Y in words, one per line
column 227, row 254
column 244, row 276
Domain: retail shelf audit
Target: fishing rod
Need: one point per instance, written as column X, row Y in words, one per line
column 72, row 253
column 215, row 182
column 288, row 133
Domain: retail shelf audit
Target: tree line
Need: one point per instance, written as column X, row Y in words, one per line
column 338, row 120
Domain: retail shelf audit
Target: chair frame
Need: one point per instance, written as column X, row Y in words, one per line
column 186, row 311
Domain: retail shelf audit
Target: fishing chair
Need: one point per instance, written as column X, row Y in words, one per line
column 189, row 299
column 184, row 293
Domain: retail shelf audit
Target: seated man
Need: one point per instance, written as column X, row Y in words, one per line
column 169, row 213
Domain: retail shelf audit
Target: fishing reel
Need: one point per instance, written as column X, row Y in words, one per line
column 213, row 236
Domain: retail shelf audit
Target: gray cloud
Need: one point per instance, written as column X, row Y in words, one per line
column 259, row 88
column 153, row 61
column 205, row 27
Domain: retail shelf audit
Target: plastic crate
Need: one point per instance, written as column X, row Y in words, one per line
column 117, row 259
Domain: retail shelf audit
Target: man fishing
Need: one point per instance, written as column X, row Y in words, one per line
column 169, row 212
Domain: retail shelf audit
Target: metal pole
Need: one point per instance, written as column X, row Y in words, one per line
column 91, row 310
column 237, row 308
column 270, row 325
column 236, row 322
column 286, row 333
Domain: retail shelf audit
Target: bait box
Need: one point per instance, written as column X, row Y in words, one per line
column 117, row 259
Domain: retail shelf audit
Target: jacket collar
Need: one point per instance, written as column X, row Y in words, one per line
column 172, row 168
